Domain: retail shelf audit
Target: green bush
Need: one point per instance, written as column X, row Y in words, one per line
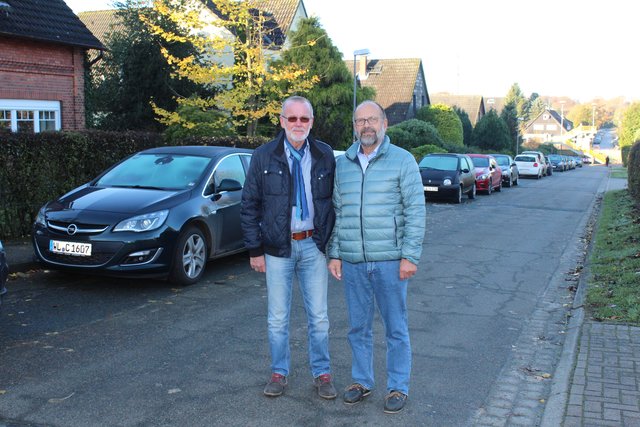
column 445, row 120
column 415, row 134
column 423, row 150
column 633, row 171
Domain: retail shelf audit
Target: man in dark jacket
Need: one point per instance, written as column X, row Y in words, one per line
column 287, row 217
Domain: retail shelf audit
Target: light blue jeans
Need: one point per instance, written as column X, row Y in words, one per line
column 309, row 266
column 365, row 283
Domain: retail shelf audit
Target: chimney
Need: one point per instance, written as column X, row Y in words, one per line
column 362, row 67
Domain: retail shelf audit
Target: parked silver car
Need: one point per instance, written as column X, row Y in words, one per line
column 510, row 173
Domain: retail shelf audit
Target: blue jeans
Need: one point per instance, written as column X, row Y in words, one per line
column 380, row 281
column 309, row 265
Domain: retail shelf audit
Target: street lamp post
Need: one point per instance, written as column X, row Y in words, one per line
column 561, row 122
column 518, row 121
column 357, row 53
column 593, row 115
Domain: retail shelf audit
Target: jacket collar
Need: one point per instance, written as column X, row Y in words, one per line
column 352, row 152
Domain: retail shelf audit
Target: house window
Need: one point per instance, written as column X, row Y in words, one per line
column 24, row 121
column 538, row 127
column 47, row 120
column 552, row 127
column 5, row 119
column 21, row 115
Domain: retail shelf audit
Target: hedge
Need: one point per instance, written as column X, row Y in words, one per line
column 633, row 171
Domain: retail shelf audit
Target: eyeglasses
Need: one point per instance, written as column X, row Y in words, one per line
column 293, row 119
column 371, row 120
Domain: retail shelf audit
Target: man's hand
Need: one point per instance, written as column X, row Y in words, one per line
column 407, row 269
column 335, row 268
column 258, row 264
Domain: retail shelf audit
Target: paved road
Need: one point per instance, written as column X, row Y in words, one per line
column 488, row 312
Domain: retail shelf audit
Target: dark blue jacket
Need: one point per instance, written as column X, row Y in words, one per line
column 266, row 198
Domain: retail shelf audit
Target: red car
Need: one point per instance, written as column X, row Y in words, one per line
column 488, row 173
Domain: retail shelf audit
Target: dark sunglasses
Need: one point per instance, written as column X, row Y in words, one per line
column 293, row 119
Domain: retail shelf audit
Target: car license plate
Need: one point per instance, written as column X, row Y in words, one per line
column 70, row 248
column 426, row 188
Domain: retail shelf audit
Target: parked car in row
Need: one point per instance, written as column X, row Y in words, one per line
column 529, row 165
column 509, row 169
column 447, row 175
column 558, row 162
column 4, row 272
column 162, row 212
column 540, row 158
column 488, row 173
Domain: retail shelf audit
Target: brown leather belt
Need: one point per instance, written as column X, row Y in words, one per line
column 301, row 235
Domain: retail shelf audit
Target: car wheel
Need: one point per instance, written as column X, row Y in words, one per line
column 489, row 188
column 190, row 257
column 499, row 187
column 472, row 192
column 458, row 197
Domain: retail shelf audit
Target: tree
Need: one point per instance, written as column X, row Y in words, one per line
column 467, row 127
column 580, row 115
column 520, row 102
column 445, row 120
column 132, row 72
column 510, row 119
column 232, row 57
column 537, row 106
column 332, row 97
column 630, row 125
column 492, row 134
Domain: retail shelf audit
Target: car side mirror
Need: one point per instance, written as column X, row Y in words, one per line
column 228, row 184
column 465, row 170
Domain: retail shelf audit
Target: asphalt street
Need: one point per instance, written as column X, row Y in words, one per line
column 489, row 313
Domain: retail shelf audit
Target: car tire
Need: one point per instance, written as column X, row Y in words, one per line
column 499, row 187
column 190, row 257
column 472, row 192
column 457, row 199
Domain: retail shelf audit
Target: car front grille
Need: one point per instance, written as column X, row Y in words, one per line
column 78, row 228
column 101, row 254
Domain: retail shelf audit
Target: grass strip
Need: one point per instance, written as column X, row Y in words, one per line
column 613, row 290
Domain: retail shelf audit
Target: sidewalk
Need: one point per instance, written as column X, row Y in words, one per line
column 598, row 378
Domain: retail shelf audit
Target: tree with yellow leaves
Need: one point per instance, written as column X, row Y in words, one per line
column 234, row 40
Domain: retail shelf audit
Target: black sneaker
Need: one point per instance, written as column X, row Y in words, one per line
column 355, row 393
column 275, row 386
column 394, row 402
column 325, row 387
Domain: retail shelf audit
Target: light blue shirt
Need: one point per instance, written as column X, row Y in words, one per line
column 296, row 223
column 364, row 159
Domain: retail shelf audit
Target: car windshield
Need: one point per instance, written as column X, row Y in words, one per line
column 530, row 159
column 554, row 157
column 502, row 161
column 441, row 163
column 480, row 162
column 157, row 171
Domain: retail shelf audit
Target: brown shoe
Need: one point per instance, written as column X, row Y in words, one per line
column 325, row 387
column 355, row 393
column 394, row 402
column 275, row 386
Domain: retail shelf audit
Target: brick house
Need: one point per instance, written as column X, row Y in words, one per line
column 400, row 85
column 42, row 65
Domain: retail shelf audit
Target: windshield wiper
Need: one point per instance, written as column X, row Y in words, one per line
column 143, row 187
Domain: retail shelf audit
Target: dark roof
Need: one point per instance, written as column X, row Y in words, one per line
column 46, row 20
column 566, row 123
column 494, row 103
column 283, row 11
column 394, row 81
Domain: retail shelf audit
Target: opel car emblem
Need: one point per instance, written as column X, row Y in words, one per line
column 72, row 229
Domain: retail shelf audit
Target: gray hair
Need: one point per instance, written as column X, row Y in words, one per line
column 371, row 102
column 297, row 98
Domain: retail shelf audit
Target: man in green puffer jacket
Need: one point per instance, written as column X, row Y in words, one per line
column 375, row 247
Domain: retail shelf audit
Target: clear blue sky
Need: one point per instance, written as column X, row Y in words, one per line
column 582, row 49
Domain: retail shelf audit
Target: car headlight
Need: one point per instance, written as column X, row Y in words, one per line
column 40, row 218
column 145, row 222
column 446, row 182
column 483, row 176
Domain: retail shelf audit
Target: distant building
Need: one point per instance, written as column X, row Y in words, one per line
column 547, row 126
column 42, row 66
column 473, row 105
column 400, row 85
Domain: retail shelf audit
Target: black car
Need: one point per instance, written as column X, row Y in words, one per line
column 510, row 174
column 162, row 212
column 448, row 175
column 4, row 272
column 557, row 162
